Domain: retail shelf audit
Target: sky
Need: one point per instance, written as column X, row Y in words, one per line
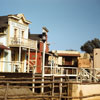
column 70, row 22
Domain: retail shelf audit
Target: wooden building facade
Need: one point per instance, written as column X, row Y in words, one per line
column 14, row 31
column 38, row 37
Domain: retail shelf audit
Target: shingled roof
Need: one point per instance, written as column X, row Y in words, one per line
column 3, row 21
column 37, row 37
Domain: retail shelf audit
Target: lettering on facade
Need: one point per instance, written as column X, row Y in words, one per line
column 18, row 25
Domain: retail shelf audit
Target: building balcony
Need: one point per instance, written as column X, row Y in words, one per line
column 22, row 42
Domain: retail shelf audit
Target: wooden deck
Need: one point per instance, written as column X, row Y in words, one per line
column 22, row 42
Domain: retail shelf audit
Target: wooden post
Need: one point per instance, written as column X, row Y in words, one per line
column 90, row 75
column 34, row 67
column 19, row 59
column 43, row 67
column 6, row 91
column 42, row 87
column 68, row 90
column 81, row 79
column 28, row 60
column 60, row 88
column 52, row 65
column 77, row 74
column 94, row 75
column 33, row 89
column 52, row 86
column 35, row 59
column 51, row 68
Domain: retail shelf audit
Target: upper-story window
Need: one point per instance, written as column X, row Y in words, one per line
column 22, row 34
column 15, row 32
column 1, row 29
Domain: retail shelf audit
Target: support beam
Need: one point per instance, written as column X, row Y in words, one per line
column 53, row 87
column 35, row 58
column 28, row 60
column 60, row 87
column 6, row 92
column 34, row 68
column 43, row 65
column 19, row 67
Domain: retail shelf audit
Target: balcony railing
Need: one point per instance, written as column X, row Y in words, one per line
column 60, row 71
column 17, row 41
column 14, row 66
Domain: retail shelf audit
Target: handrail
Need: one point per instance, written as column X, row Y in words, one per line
column 73, row 72
column 87, row 74
column 14, row 64
column 61, row 71
column 17, row 41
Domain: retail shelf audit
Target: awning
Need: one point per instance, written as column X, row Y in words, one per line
column 72, row 55
column 4, row 47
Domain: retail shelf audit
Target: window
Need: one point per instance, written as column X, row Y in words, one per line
column 22, row 34
column 15, row 32
column 2, row 30
column 0, row 54
column 13, row 55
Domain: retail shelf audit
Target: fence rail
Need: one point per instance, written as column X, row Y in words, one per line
column 54, row 87
column 81, row 74
column 18, row 41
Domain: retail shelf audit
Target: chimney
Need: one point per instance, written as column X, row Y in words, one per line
column 44, row 29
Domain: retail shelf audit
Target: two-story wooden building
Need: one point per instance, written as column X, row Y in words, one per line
column 38, row 37
column 14, row 31
column 67, row 58
column 63, row 61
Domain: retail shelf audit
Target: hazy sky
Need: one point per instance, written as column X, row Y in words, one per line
column 70, row 22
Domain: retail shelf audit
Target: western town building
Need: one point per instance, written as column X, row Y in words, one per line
column 66, row 74
column 22, row 51
column 38, row 38
column 14, row 31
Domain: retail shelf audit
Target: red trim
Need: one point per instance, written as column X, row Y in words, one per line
column 4, row 47
column 64, row 54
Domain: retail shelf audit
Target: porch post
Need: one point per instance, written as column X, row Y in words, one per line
column 33, row 89
column 28, row 60
column 51, row 72
column 19, row 69
column 35, row 58
column 43, row 65
column 43, row 60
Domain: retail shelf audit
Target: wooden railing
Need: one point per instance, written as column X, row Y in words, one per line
column 15, row 66
column 79, row 74
column 17, row 41
column 54, row 88
column 60, row 71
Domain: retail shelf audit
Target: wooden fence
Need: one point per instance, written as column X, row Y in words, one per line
column 54, row 88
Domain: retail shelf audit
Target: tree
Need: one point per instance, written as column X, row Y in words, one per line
column 89, row 46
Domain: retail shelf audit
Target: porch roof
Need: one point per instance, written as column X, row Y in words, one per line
column 3, row 47
column 64, row 54
column 3, row 21
column 37, row 37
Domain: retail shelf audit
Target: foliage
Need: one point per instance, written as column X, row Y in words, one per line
column 89, row 46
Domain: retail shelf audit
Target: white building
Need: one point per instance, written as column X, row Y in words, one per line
column 14, row 30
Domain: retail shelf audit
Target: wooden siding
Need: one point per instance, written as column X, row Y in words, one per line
column 16, row 42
